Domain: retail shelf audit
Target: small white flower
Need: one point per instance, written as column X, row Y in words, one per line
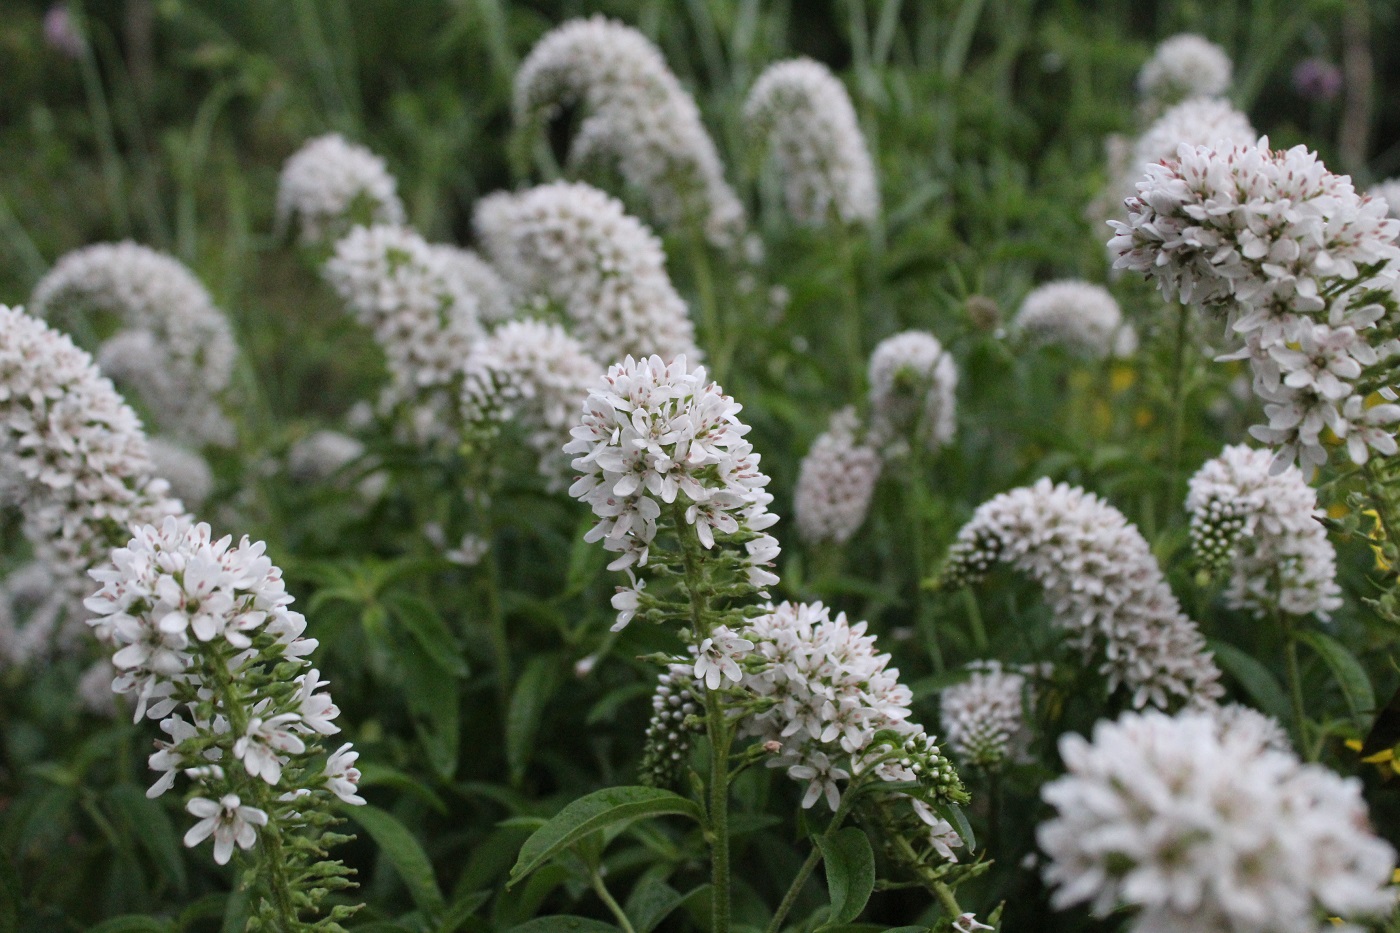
column 342, row 777
column 717, row 659
column 260, row 746
column 228, row 821
column 821, row 776
column 967, row 923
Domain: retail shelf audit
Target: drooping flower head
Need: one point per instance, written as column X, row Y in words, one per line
column 1080, row 316
column 636, row 118
column 1203, row 828
column 423, row 312
column 532, row 376
column 165, row 337
column 205, row 641
column 804, row 114
column 578, row 248
column 835, row 483
column 76, row 447
column 657, row 435
column 1184, row 67
column 913, row 382
column 1299, row 265
column 1104, row 586
column 1264, row 530
column 330, row 185
column 984, row 717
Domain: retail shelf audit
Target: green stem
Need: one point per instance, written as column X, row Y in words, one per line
column 271, row 862
column 606, row 896
column 500, row 642
column 851, row 317
column 1295, row 680
column 809, row 866
column 916, row 546
column 716, row 726
column 1178, row 398
column 719, row 344
column 946, row 899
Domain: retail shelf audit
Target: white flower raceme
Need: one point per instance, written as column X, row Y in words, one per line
column 636, row 118
column 835, row 483
column 1264, row 529
column 1302, row 269
column 167, row 339
column 577, row 247
column 36, row 617
column 1183, row 67
column 331, row 184
column 804, row 113
column 532, row 376
column 75, row 446
column 1200, row 828
column 673, row 712
column 202, row 629
column 660, row 435
column 422, row 310
column 913, row 382
column 322, row 454
column 496, row 300
column 1103, row 584
column 187, row 472
column 1079, row 316
column 984, row 717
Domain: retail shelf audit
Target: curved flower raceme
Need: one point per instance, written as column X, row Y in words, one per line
column 205, row 641
column 1183, row 67
column 578, row 247
column 1201, row 827
column 1301, row 268
column 804, row 113
column 984, row 717
column 77, row 448
column 913, row 385
column 835, row 483
column 171, row 343
column 636, row 117
column 331, row 184
column 533, row 376
column 1103, row 584
column 423, row 310
column 1263, row 528
column 657, row 435
column 1079, row 316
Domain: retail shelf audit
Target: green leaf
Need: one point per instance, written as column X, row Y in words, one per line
column 427, row 627
column 958, row 820
column 598, row 810
column 651, row 902
column 463, row 910
column 133, row 923
column 434, row 700
column 153, row 830
column 564, row 923
column 403, row 852
column 1347, row 670
column 533, row 692
column 1262, row 686
column 850, row 872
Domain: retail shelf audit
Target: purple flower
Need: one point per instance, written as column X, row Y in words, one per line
column 1317, row 79
column 61, row 33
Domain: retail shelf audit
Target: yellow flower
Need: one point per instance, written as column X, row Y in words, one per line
column 1122, row 378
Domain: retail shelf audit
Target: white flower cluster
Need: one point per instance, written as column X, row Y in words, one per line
column 36, row 617
column 577, row 247
column 657, row 434
column 1201, row 828
column 1200, row 121
column 201, row 629
column 835, row 483
column 496, row 300
column 984, row 717
column 1283, row 247
column 1264, row 529
column 423, row 312
column 913, row 385
column 1183, row 67
column 330, row 184
column 804, row 113
column 170, row 343
column 836, row 710
column 673, row 708
column 1103, row 584
column 1080, row 316
column 75, row 445
column 191, row 481
column 636, row 116
column 533, row 376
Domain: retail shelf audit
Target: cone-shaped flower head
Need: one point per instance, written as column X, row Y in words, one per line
column 330, row 184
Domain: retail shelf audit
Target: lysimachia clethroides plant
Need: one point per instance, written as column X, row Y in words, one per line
column 680, row 499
